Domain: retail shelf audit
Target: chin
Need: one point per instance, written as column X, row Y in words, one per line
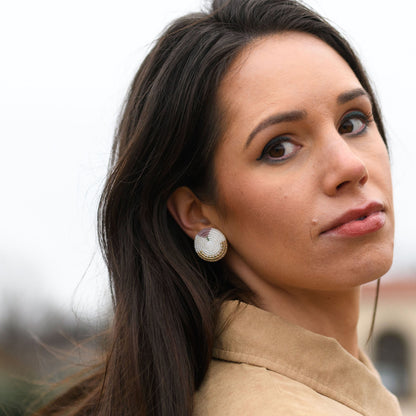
column 353, row 271
column 364, row 262
column 371, row 266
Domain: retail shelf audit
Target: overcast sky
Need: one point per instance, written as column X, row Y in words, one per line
column 66, row 66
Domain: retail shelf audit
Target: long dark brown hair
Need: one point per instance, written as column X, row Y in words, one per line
column 165, row 299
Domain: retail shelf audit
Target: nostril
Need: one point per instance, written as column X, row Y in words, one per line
column 364, row 179
column 341, row 185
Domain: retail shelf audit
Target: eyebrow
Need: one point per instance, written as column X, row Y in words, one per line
column 288, row 116
column 351, row 95
column 297, row 115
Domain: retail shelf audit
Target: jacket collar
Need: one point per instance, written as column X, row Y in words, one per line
column 247, row 334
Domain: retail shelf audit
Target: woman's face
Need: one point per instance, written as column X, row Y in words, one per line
column 305, row 197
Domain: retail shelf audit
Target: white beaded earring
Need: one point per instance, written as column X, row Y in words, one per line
column 210, row 244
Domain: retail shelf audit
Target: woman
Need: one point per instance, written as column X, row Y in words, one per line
column 251, row 133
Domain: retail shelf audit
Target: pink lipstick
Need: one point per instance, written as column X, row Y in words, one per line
column 358, row 221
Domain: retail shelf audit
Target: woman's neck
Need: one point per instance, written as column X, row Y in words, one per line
column 333, row 314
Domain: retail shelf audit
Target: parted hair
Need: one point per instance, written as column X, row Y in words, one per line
column 165, row 298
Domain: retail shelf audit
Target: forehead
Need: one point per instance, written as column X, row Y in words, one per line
column 283, row 71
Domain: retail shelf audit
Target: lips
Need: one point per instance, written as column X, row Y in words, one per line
column 358, row 221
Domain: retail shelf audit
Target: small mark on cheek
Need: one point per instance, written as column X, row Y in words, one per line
column 314, row 223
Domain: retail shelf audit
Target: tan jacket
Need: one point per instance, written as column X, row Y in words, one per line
column 263, row 365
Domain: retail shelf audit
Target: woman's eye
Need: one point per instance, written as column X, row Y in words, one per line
column 354, row 124
column 279, row 149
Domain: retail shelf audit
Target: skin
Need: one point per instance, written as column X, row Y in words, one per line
column 273, row 206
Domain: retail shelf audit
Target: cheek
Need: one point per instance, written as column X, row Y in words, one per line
column 380, row 171
column 268, row 225
column 265, row 210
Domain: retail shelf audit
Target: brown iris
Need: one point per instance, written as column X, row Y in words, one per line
column 277, row 151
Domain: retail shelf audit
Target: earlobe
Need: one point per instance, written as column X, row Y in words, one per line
column 185, row 208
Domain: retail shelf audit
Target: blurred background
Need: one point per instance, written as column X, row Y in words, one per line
column 65, row 69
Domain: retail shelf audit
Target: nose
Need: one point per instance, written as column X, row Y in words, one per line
column 343, row 168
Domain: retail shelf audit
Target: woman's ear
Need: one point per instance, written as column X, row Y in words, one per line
column 186, row 208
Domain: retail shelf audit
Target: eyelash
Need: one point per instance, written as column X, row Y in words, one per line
column 365, row 118
column 274, row 143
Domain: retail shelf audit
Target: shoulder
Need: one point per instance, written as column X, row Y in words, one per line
column 241, row 389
